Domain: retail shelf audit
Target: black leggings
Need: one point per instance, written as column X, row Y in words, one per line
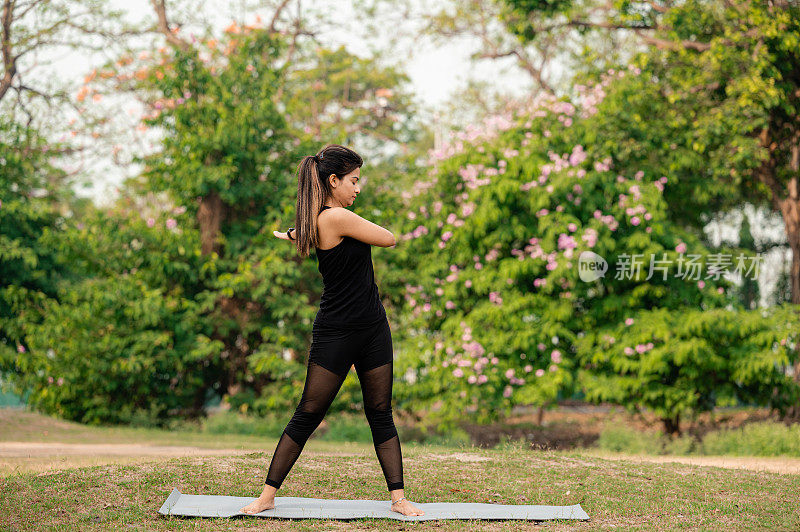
column 333, row 351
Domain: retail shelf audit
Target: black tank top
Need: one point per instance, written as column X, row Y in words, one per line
column 350, row 296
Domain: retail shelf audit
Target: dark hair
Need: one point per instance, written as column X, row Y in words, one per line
column 313, row 188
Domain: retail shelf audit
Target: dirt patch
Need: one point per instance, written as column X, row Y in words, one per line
column 461, row 457
column 36, row 449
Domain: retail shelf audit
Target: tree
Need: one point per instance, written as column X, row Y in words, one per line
column 208, row 302
column 731, row 69
column 499, row 308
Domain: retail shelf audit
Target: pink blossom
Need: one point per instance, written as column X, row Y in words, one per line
column 701, row 284
column 539, row 372
column 447, row 235
column 458, row 372
column 171, row 223
column 555, row 356
column 449, row 305
column 635, row 220
column 482, row 379
column 629, row 321
column 566, row 241
column 20, row 348
column 151, row 222
column 471, row 379
column 495, row 360
column 628, row 351
column 507, row 391
column 680, row 248
column 509, row 373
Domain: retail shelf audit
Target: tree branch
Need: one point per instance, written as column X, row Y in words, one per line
column 163, row 25
column 9, row 61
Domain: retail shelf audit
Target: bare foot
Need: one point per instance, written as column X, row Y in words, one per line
column 259, row 505
column 406, row 508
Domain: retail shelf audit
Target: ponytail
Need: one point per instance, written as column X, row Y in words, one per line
column 314, row 188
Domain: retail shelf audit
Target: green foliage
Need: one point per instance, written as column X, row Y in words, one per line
column 29, row 201
column 680, row 363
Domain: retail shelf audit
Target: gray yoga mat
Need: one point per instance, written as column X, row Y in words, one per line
column 303, row 508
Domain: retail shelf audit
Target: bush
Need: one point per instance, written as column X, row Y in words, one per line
column 765, row 438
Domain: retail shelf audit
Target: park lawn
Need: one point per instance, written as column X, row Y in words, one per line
column 626, row 495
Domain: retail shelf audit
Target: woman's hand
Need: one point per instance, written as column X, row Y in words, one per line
column 282, row 236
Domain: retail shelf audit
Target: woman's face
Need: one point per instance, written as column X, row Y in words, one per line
column 346, row 189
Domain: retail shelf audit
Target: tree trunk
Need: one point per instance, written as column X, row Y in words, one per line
column 672, row 426
column 209, row 218
column 790, row 210
column 540, row 415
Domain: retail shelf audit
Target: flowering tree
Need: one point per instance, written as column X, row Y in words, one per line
column 501, row 313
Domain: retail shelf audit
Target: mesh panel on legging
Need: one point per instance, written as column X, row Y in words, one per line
column 319, row 391
column 376, row 388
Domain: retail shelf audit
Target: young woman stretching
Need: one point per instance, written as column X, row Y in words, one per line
column 350, row 328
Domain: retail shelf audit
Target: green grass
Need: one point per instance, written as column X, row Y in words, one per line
column 629, row 495
column 623, row 494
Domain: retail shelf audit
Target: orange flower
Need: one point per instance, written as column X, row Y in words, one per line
column 212, row 43
column 97, row 97
column 82, row 93
column 159, row 74
column 141, row 73
column 233, row 28
column 90, row 76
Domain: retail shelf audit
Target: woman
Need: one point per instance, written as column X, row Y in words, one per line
column 350, row 328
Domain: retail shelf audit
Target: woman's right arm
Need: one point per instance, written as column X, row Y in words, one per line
column 350, row 224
